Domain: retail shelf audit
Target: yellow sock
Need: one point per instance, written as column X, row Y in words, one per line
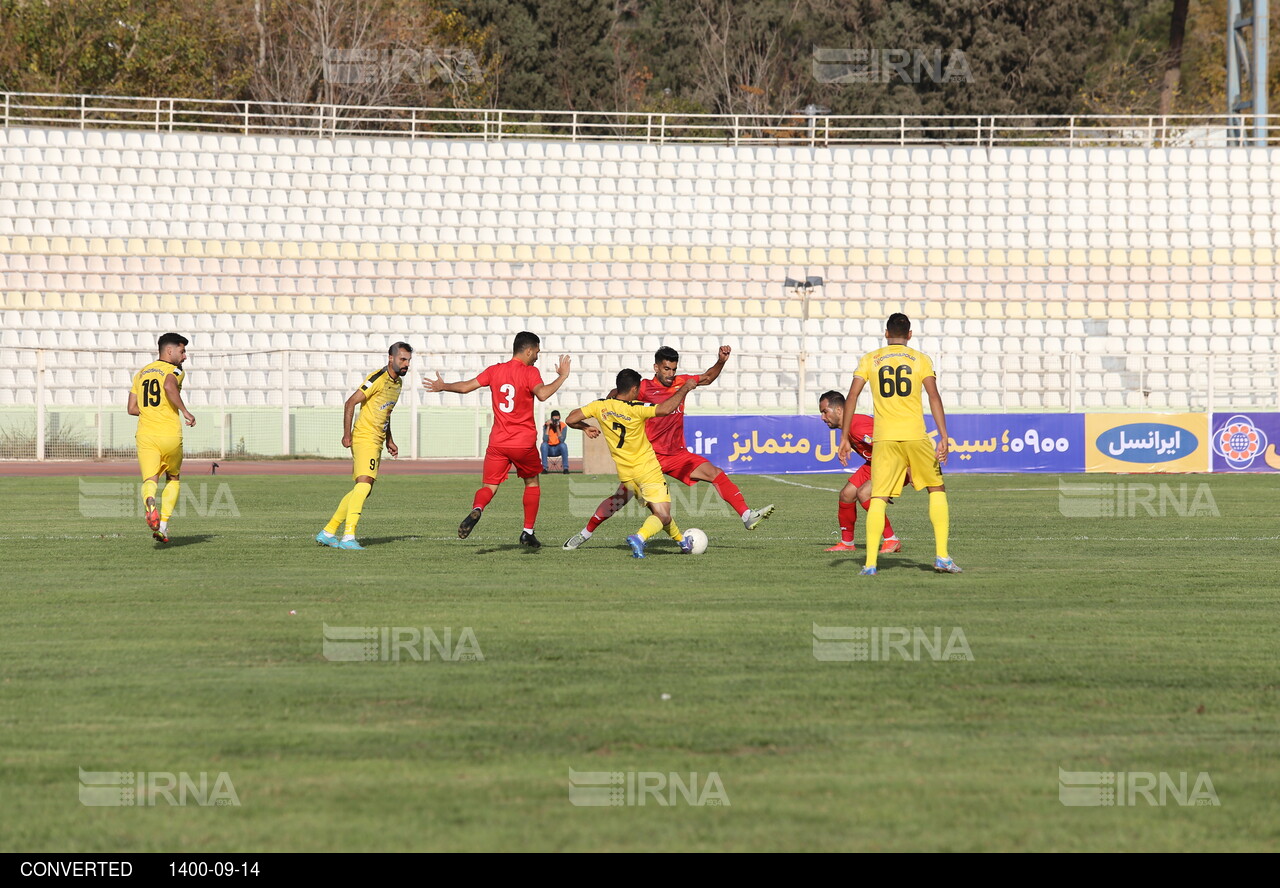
column 875, row 529
column 148, row 492
column 940, row 517
column 355, row 505
column 672, row 530
column 339, row 516
column 651, row 526
column 169, row 499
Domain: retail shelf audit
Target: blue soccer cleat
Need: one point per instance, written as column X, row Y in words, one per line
column 637, row 545
column 686, row 546
column 327, row 539
column 349, row 544
column 868, row 572
column 946, row 566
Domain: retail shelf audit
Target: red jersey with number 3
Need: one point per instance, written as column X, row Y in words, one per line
column 666, row 433
column 511, row 387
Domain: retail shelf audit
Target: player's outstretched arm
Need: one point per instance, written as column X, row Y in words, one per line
column 547, row 389
column 458, row 388
column 578, row 420
column 132, row 406
column 670, row 405
column 939, row 417
column 712, row 373
column 348, row 413
column 175, row 398
column 850, row 403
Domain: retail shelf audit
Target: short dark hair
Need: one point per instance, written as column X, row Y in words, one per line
column 833, row 398
column 524, row 339
column 627, row 380
column 399, row 346
column 171, row 339
column 666, row 353
column 555, row 412
column 898, row 325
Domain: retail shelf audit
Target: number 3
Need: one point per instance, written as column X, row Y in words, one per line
column 510, row 391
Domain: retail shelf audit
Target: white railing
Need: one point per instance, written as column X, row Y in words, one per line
column 269, row 404
column 170, row 114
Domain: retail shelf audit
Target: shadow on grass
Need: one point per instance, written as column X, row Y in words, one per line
column 382, row 541
column 179, row 542
column 515, row 547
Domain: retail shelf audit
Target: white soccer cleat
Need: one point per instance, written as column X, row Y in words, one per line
column 574, row 541
column 752, row 519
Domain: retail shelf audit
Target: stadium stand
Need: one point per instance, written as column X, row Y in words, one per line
column 1039, row 278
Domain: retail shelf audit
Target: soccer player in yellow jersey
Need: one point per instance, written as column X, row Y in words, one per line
column 377, row 397
column 897, row 374
column 156, row 399
column 622, row 420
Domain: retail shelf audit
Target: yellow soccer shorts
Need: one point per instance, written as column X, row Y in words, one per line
column 650, row 487
column 366, row 456
column 159, row 453
column 890, row 461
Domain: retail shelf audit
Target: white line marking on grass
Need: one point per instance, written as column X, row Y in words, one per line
column 798, row 484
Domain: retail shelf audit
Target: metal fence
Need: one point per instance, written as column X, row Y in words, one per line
column 71, row 405
column 171, row 114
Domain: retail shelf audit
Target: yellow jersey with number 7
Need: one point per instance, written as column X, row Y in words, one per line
column 622, row 424
column 156, row 414
column 896, row 374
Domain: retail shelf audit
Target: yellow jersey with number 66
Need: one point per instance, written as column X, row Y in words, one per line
column 156, row 415
column 896, row 374
column 622, row 424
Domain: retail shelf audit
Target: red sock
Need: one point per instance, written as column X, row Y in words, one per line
column 483, row 496
column 531, row 496
column 848, row 513
column 888, row 528
column 729, row 492
column 603, row 511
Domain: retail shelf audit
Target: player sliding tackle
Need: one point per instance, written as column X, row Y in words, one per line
column 623, row 421
column 513, row 440
column 858, row 488
column 667, row 436
column 897, row 375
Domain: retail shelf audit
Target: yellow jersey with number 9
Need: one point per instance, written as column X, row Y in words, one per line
column 896, row 374
column 622, row 424
column 156, row 415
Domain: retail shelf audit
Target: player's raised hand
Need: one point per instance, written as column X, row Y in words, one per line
column 843, row 453
column 431, row 385
column 562, row 369
column 191, row 420
column 725, row 351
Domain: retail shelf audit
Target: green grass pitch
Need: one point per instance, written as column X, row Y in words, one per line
column 1129, row 644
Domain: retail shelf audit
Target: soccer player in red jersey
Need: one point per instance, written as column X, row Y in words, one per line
column 858, row 488
column 666, row 434
column 513, row 440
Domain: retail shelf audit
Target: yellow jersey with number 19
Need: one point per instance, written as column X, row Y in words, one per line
column 896, row 374
column 156, row 415
column 622, row 424
column 381, row 394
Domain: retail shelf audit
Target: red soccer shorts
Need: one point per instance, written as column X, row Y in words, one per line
column 499, row 460
column 682, row 465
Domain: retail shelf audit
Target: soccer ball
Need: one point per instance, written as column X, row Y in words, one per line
column 697, row 541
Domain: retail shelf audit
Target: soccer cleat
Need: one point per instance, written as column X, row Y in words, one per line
column 160, row 536
column 868, row 572
column 754, row 516
column 349, row 544
column 946, row 566
column 844, row 547
column 326, row 539
column 686, row 546
column 637, row 545
column 890, row 546
column 472, row 519
column 574, row 541
column 528, row 539
column 153, row 515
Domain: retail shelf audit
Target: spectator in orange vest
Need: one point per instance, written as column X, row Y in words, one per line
column 553, row 442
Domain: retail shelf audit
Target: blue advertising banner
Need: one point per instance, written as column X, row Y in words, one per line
column 1245, row 442
column 988, row 442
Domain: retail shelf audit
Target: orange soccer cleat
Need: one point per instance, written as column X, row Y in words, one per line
column 843, row 547
column 890, row 546
column 153, row 515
